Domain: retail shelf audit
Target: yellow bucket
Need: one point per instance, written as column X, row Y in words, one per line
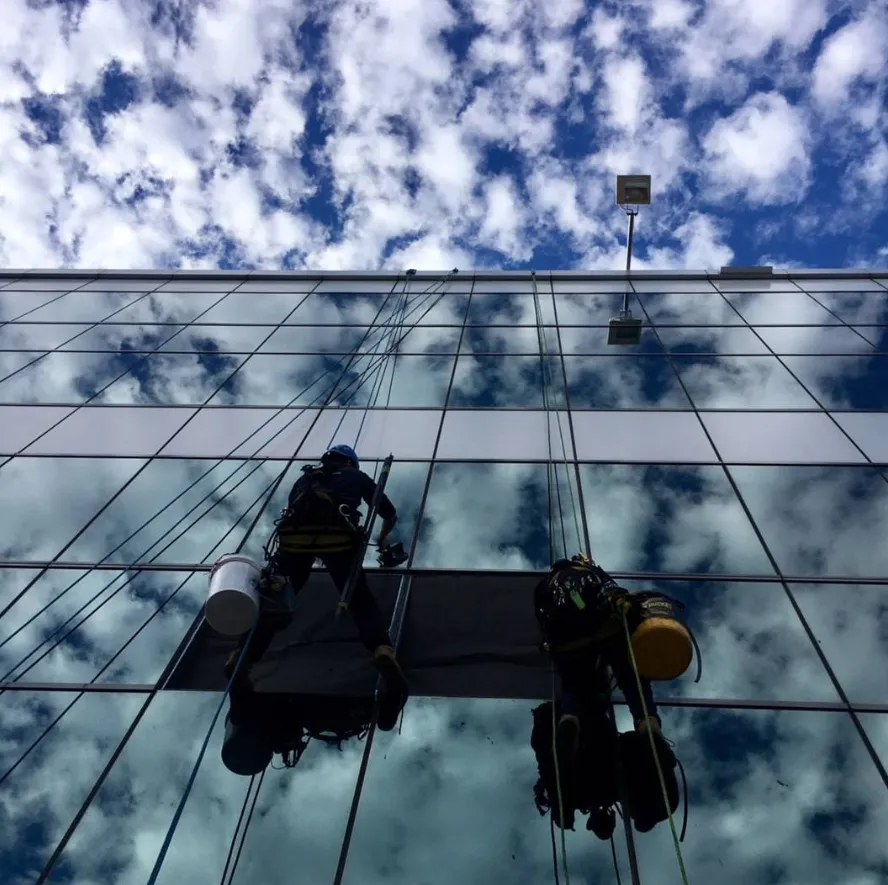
column 662, row 644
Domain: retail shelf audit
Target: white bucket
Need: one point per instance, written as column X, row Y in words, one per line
column 233, row 599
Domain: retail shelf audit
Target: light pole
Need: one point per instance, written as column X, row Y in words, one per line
column 632, row 191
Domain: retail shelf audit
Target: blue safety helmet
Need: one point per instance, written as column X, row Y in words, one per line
column 345, row 452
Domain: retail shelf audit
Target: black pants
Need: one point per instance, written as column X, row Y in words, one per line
column 363, row 606
column 579, row 682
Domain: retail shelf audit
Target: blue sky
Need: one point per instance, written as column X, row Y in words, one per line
column 435, row 133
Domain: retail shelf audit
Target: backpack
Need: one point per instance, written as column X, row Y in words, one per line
column 314, row 521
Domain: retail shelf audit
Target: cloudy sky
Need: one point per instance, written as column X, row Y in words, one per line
column 432, row 134
column 263, row 136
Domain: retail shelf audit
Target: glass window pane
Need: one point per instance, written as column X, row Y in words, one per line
column 752, row 644
column 101, row 626
column 821, row 521
column 731, row 382
column 703, row 339
column 121, row 431
column 46, row 790
column 869, row 431
column 769, row 438
column 82, row 308
column 508, row 527
column 16, row 304
column 509, row 309
column 799, row 786
column 322, row 339
column 704, row 308
column 590, row 310
column 877, row 336
column 672, row 519
column 113, row 337
column 856, row 307
column 21, row 425
column 849, row 623
column 507, row 339
column 11, row 362
column 640, row 436
column 582, row 287
column 764, row 286
column 814, row 339
column 503, row 435
column 424, row 339
column 153, row 772
column 781, row 308
column 366, row 285
column 41, row 529
column 505, row 285
column 623, row 383
column 415, row 381
column 356, row 309
column 838, row 382
column 435, row 310
column 168, row 307
column 673, row 285
column 220, row 339
column 837, row 284
column 498, row 382
column 254, row 307
column 40, row 336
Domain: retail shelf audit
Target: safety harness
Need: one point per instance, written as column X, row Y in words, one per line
column 313, row 521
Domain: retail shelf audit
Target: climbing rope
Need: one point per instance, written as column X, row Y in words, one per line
column 647, row 723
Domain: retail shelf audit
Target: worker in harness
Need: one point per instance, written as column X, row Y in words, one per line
column 581, row 610
column 322, row 521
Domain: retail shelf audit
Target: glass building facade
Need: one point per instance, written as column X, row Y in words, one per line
column 735, row 459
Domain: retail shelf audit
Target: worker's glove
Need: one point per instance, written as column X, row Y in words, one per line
column 392, row 555
column 620, row 600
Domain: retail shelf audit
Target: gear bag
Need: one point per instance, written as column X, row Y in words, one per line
column 644, row 793
column 662, row 645
column 314, row 521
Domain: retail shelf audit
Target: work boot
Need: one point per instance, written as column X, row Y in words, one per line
column 567, row 745
column 395, row 690
column 602, row 822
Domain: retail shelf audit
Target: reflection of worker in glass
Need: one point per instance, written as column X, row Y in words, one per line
column 580, row 610
column 322, row 522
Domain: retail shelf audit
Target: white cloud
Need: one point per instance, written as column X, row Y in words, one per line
column 760, row 152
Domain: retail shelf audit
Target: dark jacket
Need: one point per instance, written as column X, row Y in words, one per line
column 349, row 486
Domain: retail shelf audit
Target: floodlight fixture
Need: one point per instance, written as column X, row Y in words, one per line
column 633, row 190
column 624, row 330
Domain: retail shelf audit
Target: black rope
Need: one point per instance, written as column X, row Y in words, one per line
column 243, row 840
column 240, row 820
column 616, row 864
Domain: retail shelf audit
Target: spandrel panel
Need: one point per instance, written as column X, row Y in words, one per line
column 20, row 304
column 510, row 286
column 869, row 430
column 44, row 793
column 218, row 284
column 661, row 518
column 488, row 516
column 153, row 772
column 786, row 796
column 21, row 425
column 33, row 526
column 848, row 622
column 711, row 339
column 763, row 286
column 774, row 438
column 465, row 810
column 365, row 287
column 40, row 336
column 286, row 286
column 814, row 339
column 254, row 307
column 837, row 284
column 736, row 382
column 844, row 382
column 49, row 284
column 677, row 286
column 122, row 431
column 820, row 521
column 583, row 287
column 374, row 433
column 752, row 644
column 623, row 382
column 118, row 284
column 503, row 435
column 501, row 382
column 641, row 436
column 101, row 627
column 85, row 308
column 169, row 307
column 684, row 308
column 178, row 511
column 508, row 339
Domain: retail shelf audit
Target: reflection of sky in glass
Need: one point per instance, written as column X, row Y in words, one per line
column 776, row 796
